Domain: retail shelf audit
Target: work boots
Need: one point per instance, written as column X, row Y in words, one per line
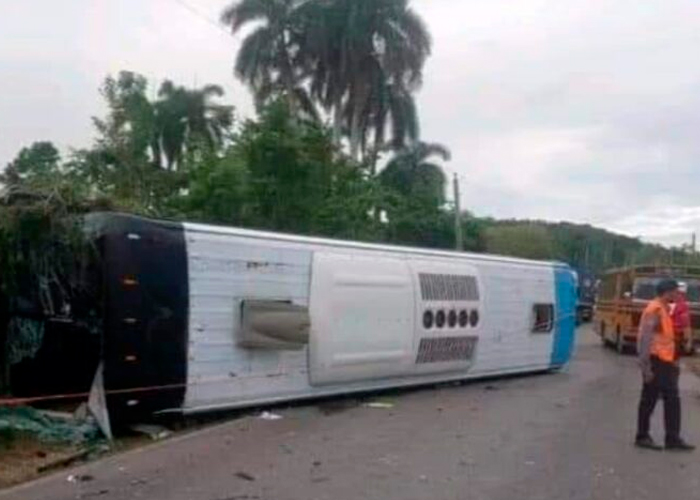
column 679, row 445
column 647, row 443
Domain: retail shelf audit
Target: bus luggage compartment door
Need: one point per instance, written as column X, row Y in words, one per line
column 362, row 318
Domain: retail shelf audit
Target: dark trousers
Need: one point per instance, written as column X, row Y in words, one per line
column 664, row 384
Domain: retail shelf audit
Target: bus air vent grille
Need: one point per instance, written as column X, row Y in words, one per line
column 448, row 287
column 445, row 349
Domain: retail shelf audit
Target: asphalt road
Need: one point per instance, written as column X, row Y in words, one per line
column 560, row 436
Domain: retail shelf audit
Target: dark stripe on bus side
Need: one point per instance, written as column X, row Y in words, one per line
column 146, row 316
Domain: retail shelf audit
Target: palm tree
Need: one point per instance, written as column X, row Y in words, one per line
column 271, row 60
column 388, row 105
column 413, row 174
column 360, row 59
column 367, row 58
column 188, row 119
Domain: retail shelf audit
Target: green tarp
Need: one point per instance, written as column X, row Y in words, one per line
column 25, row 421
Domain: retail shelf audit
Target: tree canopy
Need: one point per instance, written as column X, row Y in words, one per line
column 359, row 60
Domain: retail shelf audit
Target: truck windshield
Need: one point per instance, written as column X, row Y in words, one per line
column 645, row 289
column 693, row 294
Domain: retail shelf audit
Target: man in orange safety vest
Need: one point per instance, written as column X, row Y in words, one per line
column 659, row 354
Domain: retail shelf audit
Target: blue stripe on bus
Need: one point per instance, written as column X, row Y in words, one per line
column 565, row 327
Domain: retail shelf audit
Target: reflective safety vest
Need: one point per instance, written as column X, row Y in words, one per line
column 663, row 346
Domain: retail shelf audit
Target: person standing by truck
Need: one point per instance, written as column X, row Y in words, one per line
column 680, row 314
column 659, row 355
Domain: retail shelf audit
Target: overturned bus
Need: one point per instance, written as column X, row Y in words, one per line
column 191, row 318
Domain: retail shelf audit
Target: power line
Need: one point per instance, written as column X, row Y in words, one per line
column 201, row 15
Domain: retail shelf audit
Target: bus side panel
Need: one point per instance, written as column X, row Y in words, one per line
column 565, row 326
column 225, row 271
column 506, row 340
column 362, row 318
column 452, row 290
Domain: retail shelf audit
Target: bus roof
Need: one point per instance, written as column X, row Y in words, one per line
column 110, row 221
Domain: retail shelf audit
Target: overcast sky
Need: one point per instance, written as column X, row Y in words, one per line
column 580, row 110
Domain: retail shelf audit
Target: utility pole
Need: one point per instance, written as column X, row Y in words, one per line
column 459, row 245
column 693, row 245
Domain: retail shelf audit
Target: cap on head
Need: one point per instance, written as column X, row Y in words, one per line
column 665, row 286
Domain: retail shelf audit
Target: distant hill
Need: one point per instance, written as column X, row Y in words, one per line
column 579, row 245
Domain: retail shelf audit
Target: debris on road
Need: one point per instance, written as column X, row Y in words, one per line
column 93, row 494
column 155, row 432
column 79, row 478
column 380, row 405
column 266, row 415
column 245, row 476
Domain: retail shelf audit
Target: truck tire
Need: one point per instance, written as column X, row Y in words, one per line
column 619, row 344
column 603, row 340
